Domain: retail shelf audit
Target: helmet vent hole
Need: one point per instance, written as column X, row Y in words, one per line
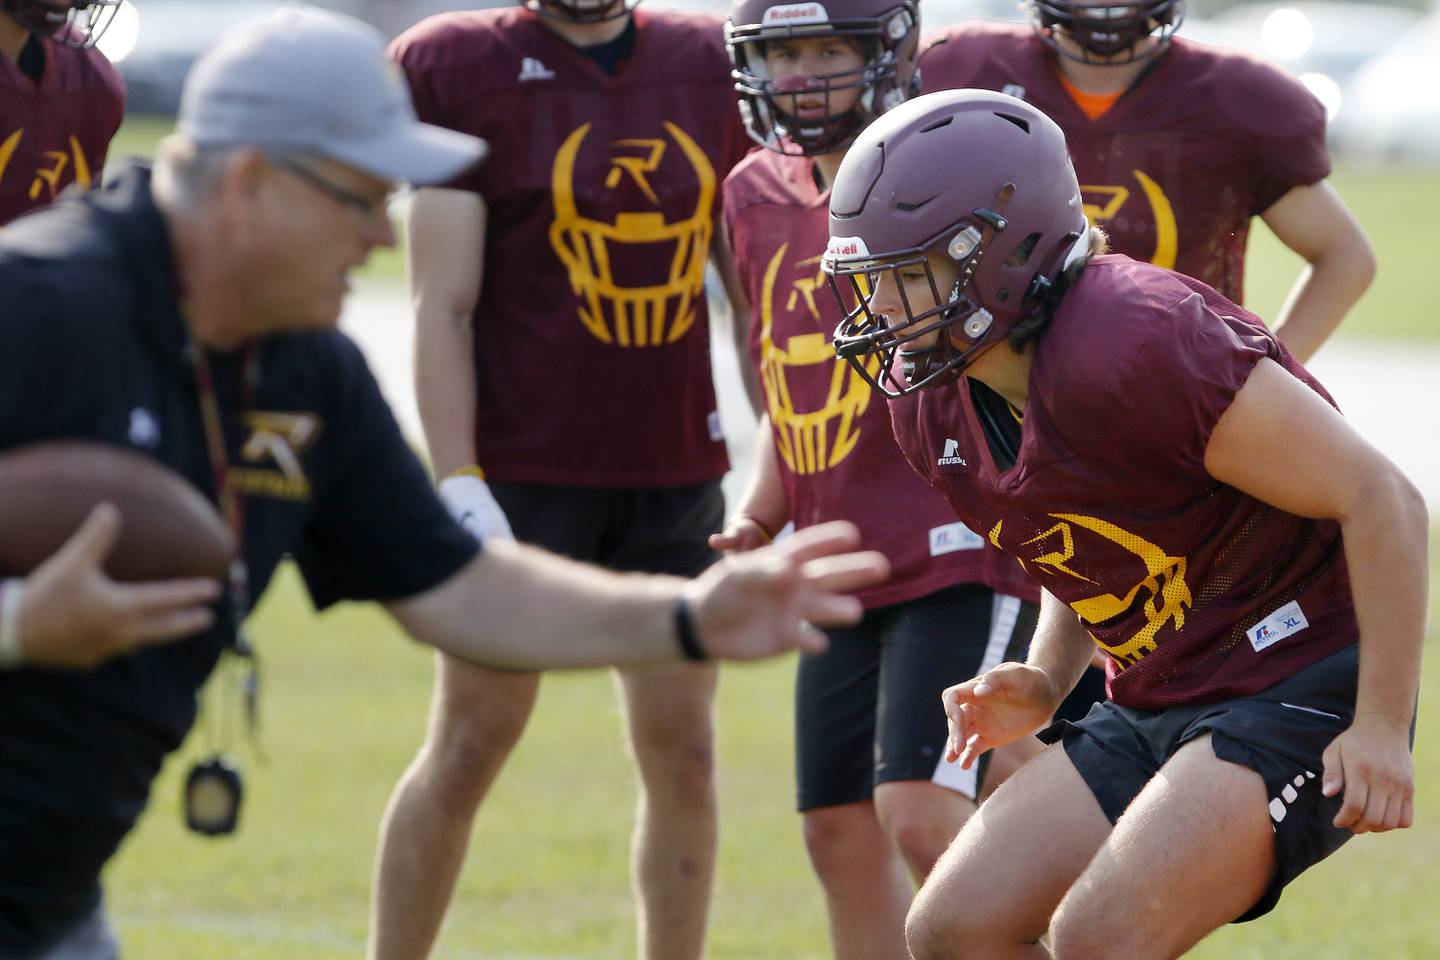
column 1022, row 253
column 1020, row 122
column 937, row 125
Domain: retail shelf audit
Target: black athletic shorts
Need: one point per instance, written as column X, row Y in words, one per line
column 868, row 710
column 1279, row 733
column 644, row 530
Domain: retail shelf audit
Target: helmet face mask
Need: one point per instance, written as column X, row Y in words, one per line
column 957, row 327
column 886, row 32
column 71, row 23
column 1108, row 32
column 972, row 196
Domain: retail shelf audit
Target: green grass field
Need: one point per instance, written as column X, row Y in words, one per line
column 345, row 707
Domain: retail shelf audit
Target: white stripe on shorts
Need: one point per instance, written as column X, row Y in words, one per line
column 1004, row 612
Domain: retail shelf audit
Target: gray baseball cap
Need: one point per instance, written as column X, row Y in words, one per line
column 308, row 79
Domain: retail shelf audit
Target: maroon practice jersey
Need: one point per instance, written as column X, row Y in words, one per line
column 592, row 350
column 55, row 131
column 1196, row 591
column 1206, row 139
column 833, row 440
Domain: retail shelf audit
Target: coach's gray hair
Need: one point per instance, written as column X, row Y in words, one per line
column 185, row 171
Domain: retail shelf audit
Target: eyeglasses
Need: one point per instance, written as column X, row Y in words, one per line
column 367, row 209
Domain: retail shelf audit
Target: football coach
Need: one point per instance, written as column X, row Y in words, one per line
column 188, row 313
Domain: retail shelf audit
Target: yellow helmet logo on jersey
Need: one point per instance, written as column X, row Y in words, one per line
column 648, row 314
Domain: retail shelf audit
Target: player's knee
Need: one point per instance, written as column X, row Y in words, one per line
column 919, row 840
column 678, row 761
column 835, row 849
column 935, row 933
column 1076, row 935
column 463, row 754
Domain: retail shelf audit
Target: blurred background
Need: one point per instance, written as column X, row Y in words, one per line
column 1375, row 65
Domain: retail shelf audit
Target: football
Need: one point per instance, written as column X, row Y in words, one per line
column 168, row 529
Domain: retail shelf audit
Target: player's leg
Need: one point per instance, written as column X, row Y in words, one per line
column 476, row 717
column 927, row 644
column 991, row 895
column 1193, row 851
column 669, row 721
column 867, row 889
column 669, row 725
column 1234, row 815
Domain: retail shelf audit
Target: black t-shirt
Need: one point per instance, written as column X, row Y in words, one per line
column 95, row 348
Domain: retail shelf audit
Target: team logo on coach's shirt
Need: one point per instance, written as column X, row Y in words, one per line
column 809, row 441
column 1162, row 593
column 63, row 166
column 615, row 309
column 1105, row 203
column 276, row 440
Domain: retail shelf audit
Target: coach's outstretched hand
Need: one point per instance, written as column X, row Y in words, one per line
column 998, row 707
column 768, row 600
column 1372, row 765
column 73, row 615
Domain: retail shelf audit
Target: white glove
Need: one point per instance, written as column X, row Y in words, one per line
column 470, row 502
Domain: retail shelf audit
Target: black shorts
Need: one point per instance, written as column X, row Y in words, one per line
column 868, row 710
column 644, row 530
column 1280, row 733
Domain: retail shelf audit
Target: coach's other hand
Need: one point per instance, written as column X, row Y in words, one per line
column 765, row 601
column 1371, row 763
column 72, row 615
column 741, row 535
column 468, row 498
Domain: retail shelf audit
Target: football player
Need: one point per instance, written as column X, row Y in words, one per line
column 61, row 101
column 1189, row 499
column 565, row 389
column 1178, row 145
column 879, row 805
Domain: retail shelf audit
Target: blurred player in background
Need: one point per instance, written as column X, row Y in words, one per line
column 1121, row 430
column 563, row 373
column 1178, row 145
column 878, row 801
column 61, row 101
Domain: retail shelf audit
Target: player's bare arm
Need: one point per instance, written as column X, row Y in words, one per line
column 445, row 260
column 763, row 509
column 1314, row 222
column 1015, row 699
column 500, row 609
column 1283, row 444
column 724, row 260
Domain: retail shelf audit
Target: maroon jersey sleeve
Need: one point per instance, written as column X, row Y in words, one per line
column 56, row 132
column 1277, row 118
column 1172, row 369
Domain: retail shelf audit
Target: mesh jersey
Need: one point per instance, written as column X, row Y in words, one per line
column 836, row 453
column 56, row 131
column 1174, row 171
column 592, row 341
column 1196, row 591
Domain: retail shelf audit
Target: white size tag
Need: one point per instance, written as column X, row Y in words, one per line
column 1282, row 623
column 952, row 537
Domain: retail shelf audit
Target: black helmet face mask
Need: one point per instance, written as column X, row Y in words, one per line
column 72, row 24
column 1107, row 33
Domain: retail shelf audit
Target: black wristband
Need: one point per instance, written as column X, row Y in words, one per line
column 685, row 632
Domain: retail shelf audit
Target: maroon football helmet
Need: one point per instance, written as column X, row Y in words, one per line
column 582, row 11
column 888, row 32
column 74, row 23
column 1107, row 32
column 975, row 176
